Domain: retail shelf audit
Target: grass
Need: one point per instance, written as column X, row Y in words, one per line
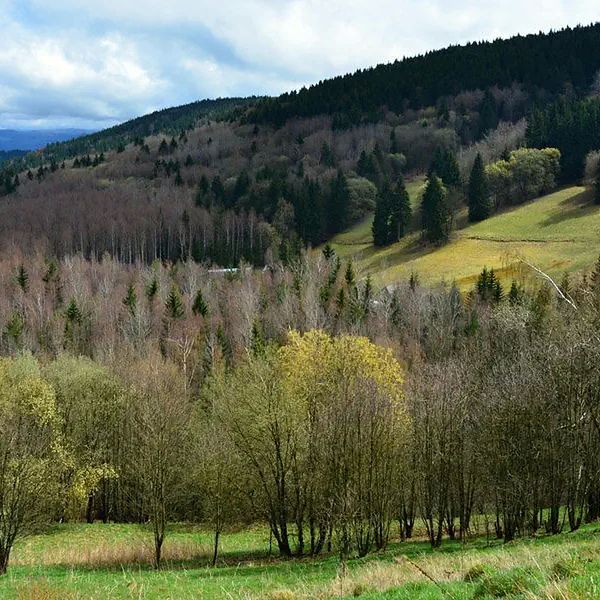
column 558, row 233
column 73, row 562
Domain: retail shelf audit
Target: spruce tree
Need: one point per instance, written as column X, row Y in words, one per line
column 22, row 278
column 350, row 277
column 445, row 166
column 130, row 300
column 437, row 218
column 400, row 212
column 381, row 227
column 174, row 304
column 328, row 252
column 199, row 307
column 480, row 206
column 337, row 210
column 515, row 295
column 152, row 289
column 73, row 318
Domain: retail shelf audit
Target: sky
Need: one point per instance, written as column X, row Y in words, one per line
column 86, row 64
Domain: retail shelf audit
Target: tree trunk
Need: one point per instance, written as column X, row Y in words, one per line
column 89, row 511
column 4, row 556
column 216, row 547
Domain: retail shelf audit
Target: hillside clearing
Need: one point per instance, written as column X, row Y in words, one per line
column 558, row 233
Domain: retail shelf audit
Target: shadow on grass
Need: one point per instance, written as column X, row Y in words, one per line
column 575, row 207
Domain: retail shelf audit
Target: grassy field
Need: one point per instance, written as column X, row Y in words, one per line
column 558, row 233
column 110, row 562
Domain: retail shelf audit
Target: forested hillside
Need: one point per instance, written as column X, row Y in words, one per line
column 543, row 64
column 257, row 180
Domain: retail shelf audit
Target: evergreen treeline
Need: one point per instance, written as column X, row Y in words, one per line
column 540, row 62
column 570, row 125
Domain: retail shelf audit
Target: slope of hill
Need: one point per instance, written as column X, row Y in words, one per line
column 539, row 62
column 169, row 121
column 558, row 233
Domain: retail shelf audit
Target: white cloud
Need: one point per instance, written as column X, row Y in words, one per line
column 124, row 58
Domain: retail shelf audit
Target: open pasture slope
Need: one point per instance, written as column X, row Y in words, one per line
column 558, row 233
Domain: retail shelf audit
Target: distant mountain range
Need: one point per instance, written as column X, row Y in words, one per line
column 33, row 139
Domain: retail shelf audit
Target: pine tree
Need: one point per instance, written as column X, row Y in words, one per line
column 400, row 212
column 22, row 278
column 597, row 190
column 362, row 166
column 480, row 206
column 380, row 227
column 199, row 307
column 130, row 300
column 437, row 219
column 174, row 304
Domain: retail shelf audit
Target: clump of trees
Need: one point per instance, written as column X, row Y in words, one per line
column 525, row 174
column 393, row 214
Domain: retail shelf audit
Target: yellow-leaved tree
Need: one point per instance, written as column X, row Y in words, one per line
column 322, row 424
column 31, row 452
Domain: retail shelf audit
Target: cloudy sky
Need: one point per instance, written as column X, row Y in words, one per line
column 91, row 64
